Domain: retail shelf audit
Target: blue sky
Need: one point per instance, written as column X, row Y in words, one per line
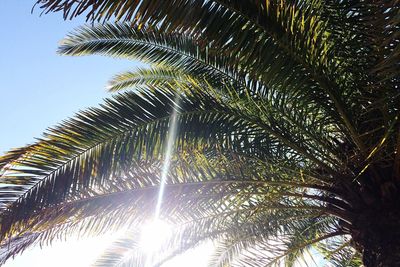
column 39, row 88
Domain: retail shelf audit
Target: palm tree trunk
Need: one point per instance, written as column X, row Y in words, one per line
column 378, row 237
column 382, row 256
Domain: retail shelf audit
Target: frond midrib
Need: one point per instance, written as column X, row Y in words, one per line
column 107, row 139
column 157, row 45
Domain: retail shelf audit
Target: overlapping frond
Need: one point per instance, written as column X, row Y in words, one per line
column 303, row 30
column 207, row 192
column 179, row 51
column 151, row 46
column 288, row 125
column 187, row 53
column 339, row 252
column 295, row 24
column 79, row 146
column 87, row 150
column 217, row 227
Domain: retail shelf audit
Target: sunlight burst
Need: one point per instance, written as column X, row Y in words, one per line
column 153, row 235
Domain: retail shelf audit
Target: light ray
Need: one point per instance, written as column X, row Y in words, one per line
column 165, row 169
column 167, row 160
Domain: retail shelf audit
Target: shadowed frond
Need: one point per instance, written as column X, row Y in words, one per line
column 133, row 126
column 151, row 46
column 287, row 140
column 210, row 62
column 269, row 28
column 339, row 252
column 87, row 150
column 215, row 189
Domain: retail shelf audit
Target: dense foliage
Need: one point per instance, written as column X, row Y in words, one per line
column 287, row 138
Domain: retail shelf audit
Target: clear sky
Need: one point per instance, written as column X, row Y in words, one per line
column 39, row 88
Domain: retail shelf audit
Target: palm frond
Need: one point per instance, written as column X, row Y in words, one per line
column 81, row 144
column 228, row 249
column 260, row 22
column 339, row 252
column 16, row 245
column 288, row 116
column 152, row 77
column 251, row 234
column 206, row 185
column 91, row 155
column 194, row 172
column 86, row 150
column 151, row 46
column 183, row 53
column 122, row 252
column 321, row 23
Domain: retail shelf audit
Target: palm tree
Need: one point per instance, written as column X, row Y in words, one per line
column 287, row 138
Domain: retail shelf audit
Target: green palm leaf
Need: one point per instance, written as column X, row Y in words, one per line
column 82, row 149
column 148, row 77
column 288, row 137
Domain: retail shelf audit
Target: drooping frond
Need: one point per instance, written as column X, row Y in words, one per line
column 151, row 46
column 288, row 134
column 292, row 23
column 122, row 252
column 339, row 252
column 219, row 226
column 87, row 150
column 147, row 77
column 289, row 34
column 254, row 234
column 295, row 243
column 16, row 245
column 99, row 131
column 210, row 186
column 185, row 54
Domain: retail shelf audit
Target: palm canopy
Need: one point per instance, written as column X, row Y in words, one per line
column 288, row 132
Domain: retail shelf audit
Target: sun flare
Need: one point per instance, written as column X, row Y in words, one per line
column 153, row 235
